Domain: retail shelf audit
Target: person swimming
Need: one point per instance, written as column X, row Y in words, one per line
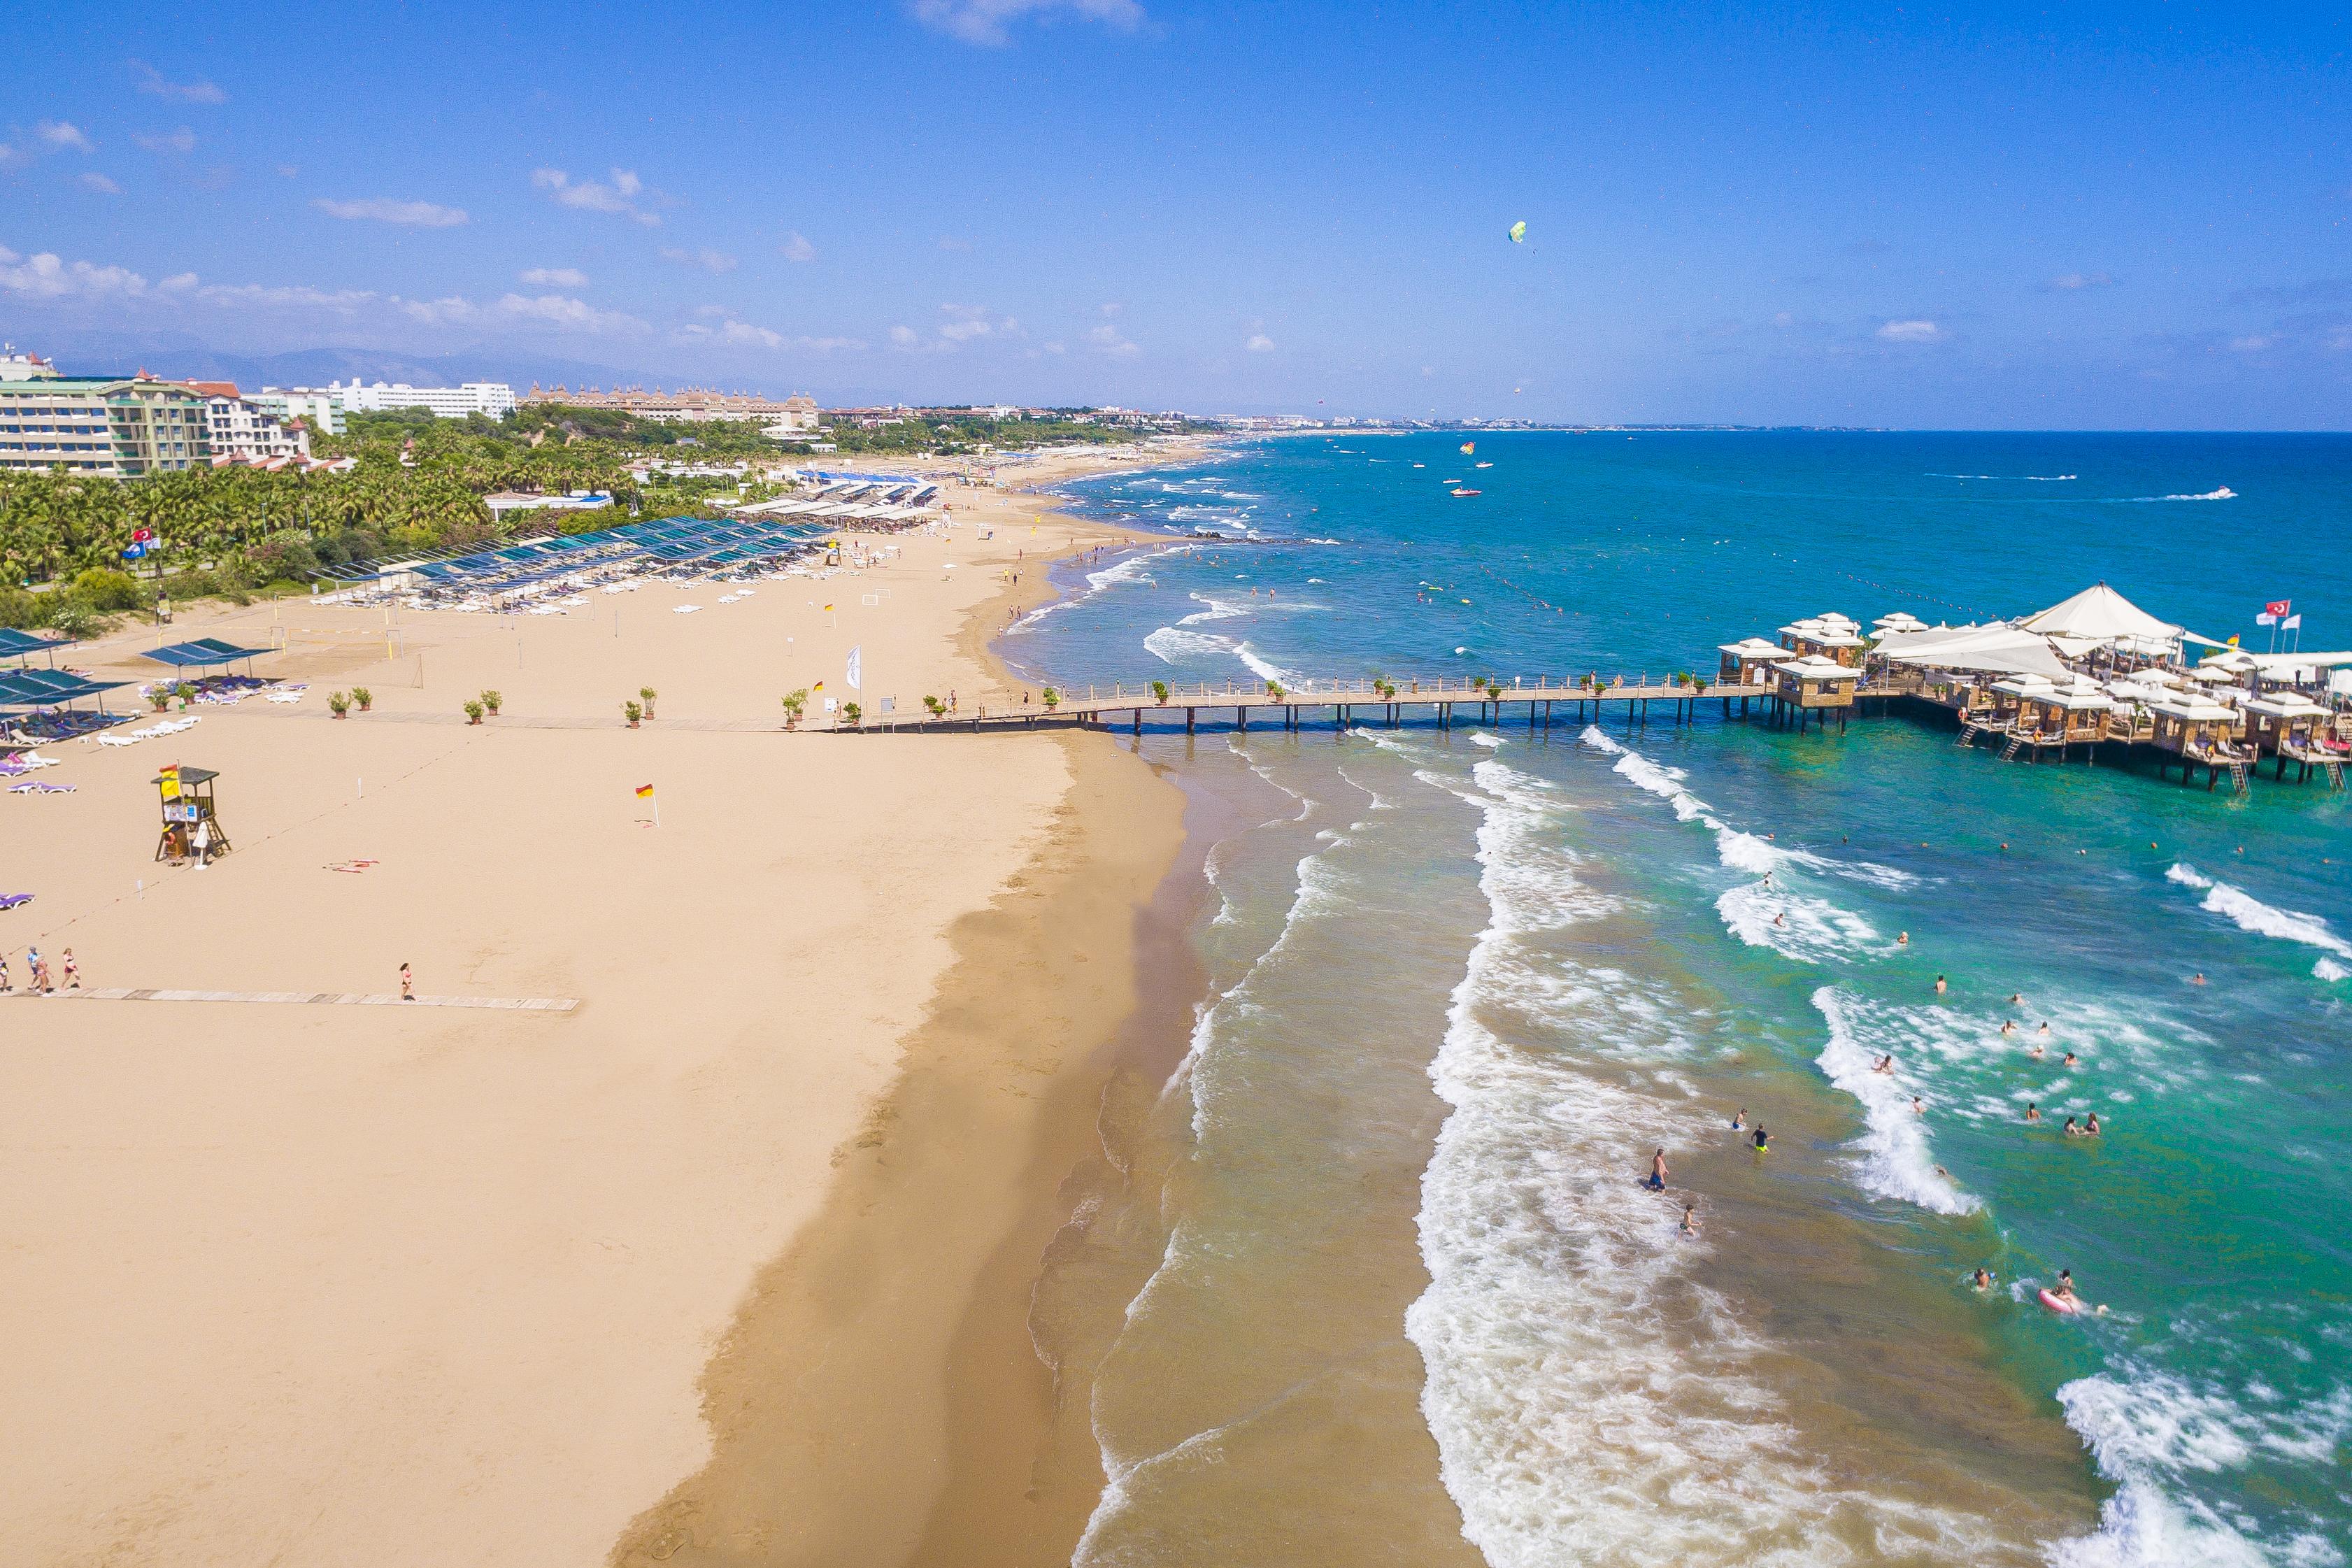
column 2091, row 1125
column 1658, row 1171
column 1884, row 1064
column 2042, row 1033
column 1690, row 1219
column 2033, row 1111
column 1902, row 939
column 2070, row 1058
column 2035, row 1050
column 2198, row 978
column 1982, row 1278
column 2071, row 1129
column 1763, row 1139
column 1780, row 919
column 2065, row 1290
column 1940, row 986
column 1918, row 1107
column 1740, row 1122
column 2009, row 1026
column 2017, row 998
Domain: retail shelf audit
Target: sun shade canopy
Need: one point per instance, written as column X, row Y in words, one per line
column 204, row 651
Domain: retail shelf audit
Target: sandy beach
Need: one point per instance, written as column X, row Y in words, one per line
column 729, row 1261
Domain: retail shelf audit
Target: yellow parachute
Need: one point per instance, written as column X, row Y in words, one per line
column 1468, row 448
column 1520, row 231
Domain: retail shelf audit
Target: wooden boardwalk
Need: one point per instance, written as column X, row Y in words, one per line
column 1339, row 703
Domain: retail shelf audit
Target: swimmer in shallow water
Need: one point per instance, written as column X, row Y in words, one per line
column 1884, row 1064
column 2070, row 1058
column 2035, row 1050
column 1902, row 939
column 2008, row 1026
column 2091, row 1125
column 1939, row 986
column 2071, row 1129
column 2017, row 998
column 1690, row 1219
column 2033, row 1111
column 1982, row 1278
column 1658, row 1171
column 2198, row 978
column 2065, row 1290
column 1918, row 1108
column 1780, row 919
column 1740, row 1122
column 1763, row 1140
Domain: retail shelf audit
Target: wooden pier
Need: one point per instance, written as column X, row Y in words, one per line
column 1343, row 704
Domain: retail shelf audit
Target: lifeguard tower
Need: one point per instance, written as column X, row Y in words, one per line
column 190, row 824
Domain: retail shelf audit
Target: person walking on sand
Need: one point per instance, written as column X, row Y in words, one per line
column 408, row 984
column 1658, row 1171
column 6, row 984
column 73, row 971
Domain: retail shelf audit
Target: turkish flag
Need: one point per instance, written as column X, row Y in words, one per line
column 2277, row 608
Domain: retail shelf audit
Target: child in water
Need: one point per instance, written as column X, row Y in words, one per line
column 1690, row 1219
column 1763, row 1139
column 1982, row 1280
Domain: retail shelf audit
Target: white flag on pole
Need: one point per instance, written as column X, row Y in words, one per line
column 2266, row 619
column 856, row 665
column 2293, row 623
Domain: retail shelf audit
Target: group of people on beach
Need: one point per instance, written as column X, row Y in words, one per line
column 40, row 982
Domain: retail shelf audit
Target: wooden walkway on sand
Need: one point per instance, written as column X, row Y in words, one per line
column 1344, row 703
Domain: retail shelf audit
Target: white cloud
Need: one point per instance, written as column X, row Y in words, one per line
column 1910, row 332
column 92, row 180
column 2068, row 282
column 964, row 322
column 984, row 21
column 178, row 283
column 903, row 336
column 13, row 157
column 287, row 171
column 386, row 209
column 707, row 259
column 197, row 91
column 180, row 141
column 1259, row 343
column 63, row 133
column 620, row 197
column 561, row 311
column 554, row 276
column 289, row 297
column 2254, row 343
column 744, row 333
column 1106, row 338
column 798, row 249
column 43, row 276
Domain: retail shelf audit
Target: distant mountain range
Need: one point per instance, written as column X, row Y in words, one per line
column 179, row 356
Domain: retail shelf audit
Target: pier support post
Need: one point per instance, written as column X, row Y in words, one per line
column 1188, row 721
column 1139, row 720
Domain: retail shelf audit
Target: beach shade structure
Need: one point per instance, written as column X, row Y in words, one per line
column 202, row 654
column 19, row 646
column 2100, row 615
column 1900, row 621
column 1994, row 648
column 49, row 688
column 191, row 826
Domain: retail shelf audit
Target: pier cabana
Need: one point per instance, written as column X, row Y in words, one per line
column 2098, row 615
column 1814, row 684
column 1748, row 662
column 2194, row 726
column 2280, row 721
column 1996, row 650
column 2062, row 716
column 1900, row 621
column 1833, row 637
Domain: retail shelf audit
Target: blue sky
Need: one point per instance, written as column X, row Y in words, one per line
column 1992, row 218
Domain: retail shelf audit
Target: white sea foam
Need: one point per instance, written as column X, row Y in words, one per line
column 1482, row 739
column 1266, row 669
column 2152, row 1432
column 2252, row 914
column 1896, row 1160
column 2223, row 493
column 1218, row 610
column 1572, row 1424
column 1173, row 645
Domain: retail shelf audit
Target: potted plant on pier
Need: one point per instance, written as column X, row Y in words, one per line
column 161, row 695
column 473, row 711
column 1274, row 690
column 491, row 699
column 1053, row 699
column 364, row 697
column 851, row 713
column 337, row 704
column 793, row 702
column 938, row 709
column 1159, row 692
column 646, row 694
column 632, row 713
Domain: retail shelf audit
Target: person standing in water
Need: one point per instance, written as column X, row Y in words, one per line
column 1739, row 1121
column 1690, row 1219
column 1763, row 1139
column 1982, row 1280
column 2033, row 1111
column 1940, row 986
column 1658, row 1171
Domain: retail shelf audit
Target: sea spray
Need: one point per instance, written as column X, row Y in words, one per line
column 2250, row 914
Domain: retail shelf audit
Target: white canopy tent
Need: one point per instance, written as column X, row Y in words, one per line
column 2100, row 615
column 1993, row 648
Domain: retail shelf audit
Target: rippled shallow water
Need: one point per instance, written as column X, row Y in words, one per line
column 1394, row 1287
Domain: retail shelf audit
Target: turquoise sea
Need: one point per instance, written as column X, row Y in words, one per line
column 1383, row 1285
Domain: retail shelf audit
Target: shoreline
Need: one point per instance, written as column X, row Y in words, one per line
column 931, row 1428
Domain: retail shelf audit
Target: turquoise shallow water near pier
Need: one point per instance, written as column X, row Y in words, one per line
column 1609, row 940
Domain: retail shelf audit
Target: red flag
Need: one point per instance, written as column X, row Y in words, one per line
column 2277, row 606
